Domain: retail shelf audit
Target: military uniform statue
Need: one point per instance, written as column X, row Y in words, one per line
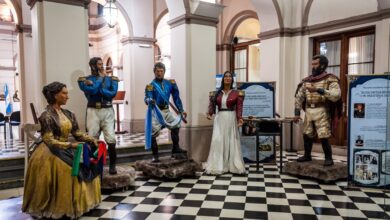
column 157, row 93
column 100, row 89
column 319, row 95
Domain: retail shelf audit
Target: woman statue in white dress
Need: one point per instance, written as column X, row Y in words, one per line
column 225, row 150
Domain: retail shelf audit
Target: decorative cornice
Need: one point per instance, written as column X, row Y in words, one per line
column 139, row 40
column 223, row 47
column 327, row 26
column 94, row 27
column 193, row 19
column 83, row 3
column 23, row 28
column 8, row 68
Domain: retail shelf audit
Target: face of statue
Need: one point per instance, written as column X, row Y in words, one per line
column 62, row 97
column 228, row 78
column 316, row 67
column 159, row 73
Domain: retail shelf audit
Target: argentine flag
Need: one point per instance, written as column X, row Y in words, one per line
column 8, row 104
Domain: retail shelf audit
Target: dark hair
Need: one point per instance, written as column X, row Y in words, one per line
column 159, row 65
column 93, row 64
column 50, row 90
column 323, row 61
column 222, row 84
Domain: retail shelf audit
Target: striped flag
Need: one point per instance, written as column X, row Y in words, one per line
column 8, row 104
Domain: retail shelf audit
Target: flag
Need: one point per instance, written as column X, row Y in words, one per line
column 8, row 104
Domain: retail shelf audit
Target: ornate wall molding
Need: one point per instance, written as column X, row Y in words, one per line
column 140, row 40
column 193, row 19
column 83, row 3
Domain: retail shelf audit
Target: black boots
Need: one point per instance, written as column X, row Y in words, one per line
column 308, row 144
column 155, row 150
column 177, row 152
column 327, row 148
column 112, row 155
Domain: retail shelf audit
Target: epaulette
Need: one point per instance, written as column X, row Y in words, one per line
column 115, row 78
column 241, row 93
column 332, row 79
column 172, row 81
column 82, row 79
column 149, row 87
column 211, row 94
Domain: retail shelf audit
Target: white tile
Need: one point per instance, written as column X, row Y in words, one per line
column 355, row 193
column 88, row 218
column 274, row 189
column 133, row 200
column 369, row 207
column 277, row 201
column 231, row 213
column 273, row 180
column 302, row 210
column 239, row 178
column 217, row 192
column 260, row 184
column 330, row 187
column 321, row 204
column 107, row 205
column 190, row 181
column 292, row 185
column 221, row 182
column 159, row 216
column 126, row 193
column 146, row 189
column 168, row 184
column 314, row 191
column 237, row 188
column 256, row 194
column 299, row 196
column 144, row 208
column 256, row 207
column 327, row 217
column 207, row 178
column 206, row 218
column 238, row 199
column 335, row 198
column 202, row 186
column 198, row 197
column 212, row 205
column 115, row 214
column 182, row 210
column 279, row 216
column 351, row 213
column 171, row 202
column 181, row 190
column 160, row 195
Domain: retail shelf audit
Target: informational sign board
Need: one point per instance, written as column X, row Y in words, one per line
column 368, row 130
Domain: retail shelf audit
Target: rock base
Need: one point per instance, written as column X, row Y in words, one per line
column 124, row 178
column 315, row 169
column 168, row 168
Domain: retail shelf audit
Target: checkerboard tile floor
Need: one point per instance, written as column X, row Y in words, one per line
column 266, row 194
column 15, row 148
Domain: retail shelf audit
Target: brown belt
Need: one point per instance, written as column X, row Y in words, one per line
column 315, row 105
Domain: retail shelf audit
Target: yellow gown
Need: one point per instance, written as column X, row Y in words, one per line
column 49, row 189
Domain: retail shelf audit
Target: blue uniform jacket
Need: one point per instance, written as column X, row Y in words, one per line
column 101, row 92
column 168, row 87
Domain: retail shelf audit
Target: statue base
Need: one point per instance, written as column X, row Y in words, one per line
column 315, row 169
column 123, row 179
column 168, row 168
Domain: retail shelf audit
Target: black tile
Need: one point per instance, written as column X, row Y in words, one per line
column 346, row 188
column 290, row 181
column 215, row 198
column 199, row 191
column 256, row 200
column 271, row 176
column 163, row 189
column 275, row 195
column 375, row 214
column 192, row 203
column 334, row 192
column 353, row 218
column 239, row 183
column 234, row 205
column 325, row 211
column 376, row 194
column 140, row 194
column 236, row 193
column 183, row 217
column 114, row 198
column 317, row 197
column 270, row 169
column 222, row 187
column 278, row 208
column 136, row 216
column 280, row 185
column 185, row 185
column 298, row 202
column 344, row 205
column 95, row 212
column 310, row 186
column 255, row 215
column 361, row 199
column 223, row 178
column 292, row 190
column 304, row 217
column 176, row 195
column 209, row 212
column 205, row 181
column 124, row 206
column 255, row 188
column 166, row 209
column 385, row 207
column 152, row 201
column 253, row 179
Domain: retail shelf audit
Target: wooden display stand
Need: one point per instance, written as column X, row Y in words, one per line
column 119, row 99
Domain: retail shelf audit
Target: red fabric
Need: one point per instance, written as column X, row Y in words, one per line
column 102, row 152
column 234, row 102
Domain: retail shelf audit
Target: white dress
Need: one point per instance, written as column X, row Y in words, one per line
column 225, row 150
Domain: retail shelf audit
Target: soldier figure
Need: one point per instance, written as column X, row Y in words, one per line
column 100, row 89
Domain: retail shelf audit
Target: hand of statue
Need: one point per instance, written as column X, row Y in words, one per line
column 296, row 119
column 240, row 122
column 88, row 82
column 209, row 117
column 184, row 114
column 311, row 88
column 103, row 73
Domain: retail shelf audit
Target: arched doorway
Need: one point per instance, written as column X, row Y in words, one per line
column 246, row 51
column 163, row 44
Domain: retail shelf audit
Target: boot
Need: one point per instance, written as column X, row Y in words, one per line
column 112, row 155
column 177, row 152
column 308, row 144
column 155, row 150
column 327, row 148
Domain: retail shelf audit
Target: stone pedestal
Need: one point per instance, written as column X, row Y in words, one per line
column 168, row 168
column 124, row 178
column 315, row 169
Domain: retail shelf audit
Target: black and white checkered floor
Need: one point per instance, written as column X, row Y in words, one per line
column 259, row 195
